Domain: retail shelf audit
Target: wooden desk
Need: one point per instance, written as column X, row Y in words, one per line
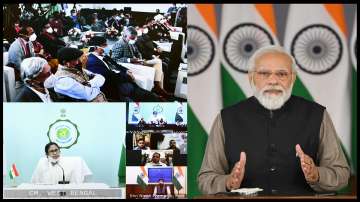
column 349, row 194
column 276, row 197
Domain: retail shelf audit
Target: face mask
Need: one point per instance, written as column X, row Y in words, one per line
column 146, row 30
column 49, row 30
column 122, row 15
column 79, row 66
column 132, row 42
column 101, row 48
column 32, row 37
column 139, row 33
column 117, row 18
column 106, row 51
column 50, row 81
column 52, row 160
column 73, row 14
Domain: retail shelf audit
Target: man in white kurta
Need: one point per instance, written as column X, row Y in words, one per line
column 156, row 118
column 47, row 172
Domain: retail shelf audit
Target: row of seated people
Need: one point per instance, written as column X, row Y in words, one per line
column 117, row 86
column 27, row 45
column 72, row 82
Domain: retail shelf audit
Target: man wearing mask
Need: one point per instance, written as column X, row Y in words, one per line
column 96, row 24
column 57, row 24
column 75, row 82
column 54, row 168
column 119, row 82
column 36, row 74
column 20, row 49
column 77, row 20
column 51, row 44
column 114, row 21
column 126, row 51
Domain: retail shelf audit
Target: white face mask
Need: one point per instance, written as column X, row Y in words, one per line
column 146, row 30
column 50, row 81
column 50, row 30
column 32, row 37
column 52, row 160
column 132, row 42
column 139, row 33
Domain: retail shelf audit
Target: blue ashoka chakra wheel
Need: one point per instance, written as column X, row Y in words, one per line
column 241, row 42
column 200, row 50
column 317, row 49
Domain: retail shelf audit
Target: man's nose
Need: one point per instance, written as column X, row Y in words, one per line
column 273, row 80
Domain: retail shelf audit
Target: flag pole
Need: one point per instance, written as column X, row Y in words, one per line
column 13, row 182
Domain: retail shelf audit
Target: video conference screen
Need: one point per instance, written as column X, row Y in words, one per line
column 157, row 113
column 160, row 173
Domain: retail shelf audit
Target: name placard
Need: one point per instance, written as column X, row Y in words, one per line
column 63, row 193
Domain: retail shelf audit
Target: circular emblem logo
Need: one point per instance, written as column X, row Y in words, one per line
column 63, row 132
column 158, row 109
column 180, row 110
column 241, row 42
column 200, row 50
column 317, row 49
column 136, row 109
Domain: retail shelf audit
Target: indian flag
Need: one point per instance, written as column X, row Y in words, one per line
column 244, row 29
column 178, row 178
column 204, row 78
column 13, row 172
column 353, row 54
column 141, row 178
column 316, row 37
column 122, row 166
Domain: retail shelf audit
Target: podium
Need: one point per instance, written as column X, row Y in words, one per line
column 212, row 196
column 64, row 191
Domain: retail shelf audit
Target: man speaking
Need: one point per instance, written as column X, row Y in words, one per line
column 273, row 140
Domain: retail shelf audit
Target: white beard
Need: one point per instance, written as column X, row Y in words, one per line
column 270, row 101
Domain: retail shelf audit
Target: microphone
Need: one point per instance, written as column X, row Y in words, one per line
column 63, row 173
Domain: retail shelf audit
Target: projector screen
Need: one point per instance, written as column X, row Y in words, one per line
column 165, row 173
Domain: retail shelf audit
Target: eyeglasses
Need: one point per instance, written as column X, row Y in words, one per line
column 280, row 75
column 54, row 151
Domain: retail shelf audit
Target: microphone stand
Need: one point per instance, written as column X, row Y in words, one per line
column 63, row 180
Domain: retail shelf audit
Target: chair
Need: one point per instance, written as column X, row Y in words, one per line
column 4, row 91
column 9, row 83
column 181, row 82
column 5, row 58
